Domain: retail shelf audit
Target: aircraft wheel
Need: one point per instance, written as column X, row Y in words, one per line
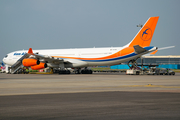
column 68, row 72
column 86, row 72
column 90, row 72
column 82, row 71
column 60, row 72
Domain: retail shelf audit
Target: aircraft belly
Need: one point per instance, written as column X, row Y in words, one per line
column 112, row 62
column 76, row 63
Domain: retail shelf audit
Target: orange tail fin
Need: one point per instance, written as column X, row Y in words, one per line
column 144, row 36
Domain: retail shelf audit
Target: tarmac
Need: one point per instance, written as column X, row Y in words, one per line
column 95, row 96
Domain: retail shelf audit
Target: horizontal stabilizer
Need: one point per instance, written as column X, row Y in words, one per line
column 153, row 53
column 166, row 47
column 139, row 49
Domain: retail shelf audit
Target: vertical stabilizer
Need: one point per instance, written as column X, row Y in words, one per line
column 144, row 36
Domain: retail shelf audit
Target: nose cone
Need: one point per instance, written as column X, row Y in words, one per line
column 9, row 59
column 4, row 60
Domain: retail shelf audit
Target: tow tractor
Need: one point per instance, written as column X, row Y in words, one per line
column 149, row 71
column 133, row 72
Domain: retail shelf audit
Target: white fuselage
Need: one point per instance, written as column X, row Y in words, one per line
column 80, row 53
column 71, row 55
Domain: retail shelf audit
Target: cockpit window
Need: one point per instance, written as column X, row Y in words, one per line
column 6, row 56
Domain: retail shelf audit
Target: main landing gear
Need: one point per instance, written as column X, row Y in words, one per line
column 76, row 70
column 83, row 71
column 64, row 72
column 86, row 71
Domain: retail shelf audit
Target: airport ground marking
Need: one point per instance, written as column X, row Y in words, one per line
column 126, row 86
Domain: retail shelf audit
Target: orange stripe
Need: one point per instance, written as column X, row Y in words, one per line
column 123, row 52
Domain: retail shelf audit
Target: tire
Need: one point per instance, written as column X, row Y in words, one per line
column 68, row 72
column 137, row 73
column 60, row 72
column 90, row 72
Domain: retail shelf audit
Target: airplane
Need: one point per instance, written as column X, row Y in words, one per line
column 84, row 57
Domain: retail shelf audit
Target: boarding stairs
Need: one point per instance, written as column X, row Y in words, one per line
column 18, row 65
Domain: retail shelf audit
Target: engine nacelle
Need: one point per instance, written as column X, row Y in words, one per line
column 27, row 62
column 40, row 66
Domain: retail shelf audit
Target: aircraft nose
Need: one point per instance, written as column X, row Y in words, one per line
column 4, row 60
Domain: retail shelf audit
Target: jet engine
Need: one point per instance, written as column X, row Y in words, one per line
column 27, row 62
column 40, row 66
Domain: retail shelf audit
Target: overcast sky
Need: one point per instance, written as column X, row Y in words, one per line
column 46, row 24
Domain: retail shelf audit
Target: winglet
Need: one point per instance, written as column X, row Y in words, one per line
column 30, row 51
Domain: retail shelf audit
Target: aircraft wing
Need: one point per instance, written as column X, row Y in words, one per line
column 46, row 58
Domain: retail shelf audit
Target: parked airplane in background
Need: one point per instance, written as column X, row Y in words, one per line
column 84, row 57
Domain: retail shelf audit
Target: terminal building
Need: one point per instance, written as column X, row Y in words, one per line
column 172, row 62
